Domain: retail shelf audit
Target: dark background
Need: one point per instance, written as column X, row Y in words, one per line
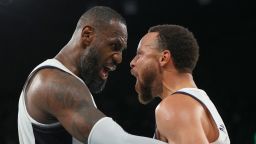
column 34, row 30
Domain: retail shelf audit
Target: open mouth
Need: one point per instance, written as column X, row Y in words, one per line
column 133, row 73
column 104, row 72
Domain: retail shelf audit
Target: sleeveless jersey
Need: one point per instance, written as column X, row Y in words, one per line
column 33, row 132
column 203, row 98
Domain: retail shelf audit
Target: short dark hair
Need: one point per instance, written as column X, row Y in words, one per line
column 98, row 16
column 181, row 43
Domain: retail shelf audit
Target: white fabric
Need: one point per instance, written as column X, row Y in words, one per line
column 25, row 121
column 106, row 131
column 203, row 98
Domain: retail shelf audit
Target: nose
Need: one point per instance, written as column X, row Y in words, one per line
column 132, row 63
column 118, row 57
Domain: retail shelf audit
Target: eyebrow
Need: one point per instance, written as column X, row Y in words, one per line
column 119, row 42
column 151, row 45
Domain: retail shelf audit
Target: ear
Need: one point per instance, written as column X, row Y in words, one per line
column 165, row 57
column 87, row 35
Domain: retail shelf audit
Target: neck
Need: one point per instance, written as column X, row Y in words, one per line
column 175, row 81
column 67, row 57
column 70, row 55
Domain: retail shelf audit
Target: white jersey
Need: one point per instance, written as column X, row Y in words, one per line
column 33, row 132
column 202, row 97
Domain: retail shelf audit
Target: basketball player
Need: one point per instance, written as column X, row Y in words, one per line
column 56, row 105
column 163, row 66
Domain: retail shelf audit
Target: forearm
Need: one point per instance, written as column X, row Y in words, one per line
column 106, row 131
column 80, row 124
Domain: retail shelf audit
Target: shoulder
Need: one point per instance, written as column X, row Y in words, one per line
column 179, row 119
column 177, row 111
column 55, row 80
column 178, row 104
column 52, row 89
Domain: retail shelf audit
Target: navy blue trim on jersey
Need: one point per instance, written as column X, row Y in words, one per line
column 51, row 135
column 185, row 93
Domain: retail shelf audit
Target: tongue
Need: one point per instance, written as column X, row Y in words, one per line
column 104, row 74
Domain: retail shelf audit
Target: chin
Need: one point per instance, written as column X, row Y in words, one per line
column 145, row 100
column 97, row 85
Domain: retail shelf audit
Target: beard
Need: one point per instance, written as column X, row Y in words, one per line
column 89, row 68
column 145, row 94
column 150, row 86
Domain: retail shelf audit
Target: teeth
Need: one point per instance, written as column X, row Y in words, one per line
column 112, row 68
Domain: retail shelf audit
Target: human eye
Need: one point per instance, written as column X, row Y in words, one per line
column 138, row 55
column 116, row 46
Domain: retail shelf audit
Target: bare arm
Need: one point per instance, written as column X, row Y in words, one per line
column 60, row 95
column 57, row 94
column 179, row 120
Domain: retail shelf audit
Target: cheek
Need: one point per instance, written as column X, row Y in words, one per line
column 148, row 70
column 100, row 51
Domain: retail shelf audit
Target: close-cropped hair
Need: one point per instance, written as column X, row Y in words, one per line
column 100, row 15
column 181, row 43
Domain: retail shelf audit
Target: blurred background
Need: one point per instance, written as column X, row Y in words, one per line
column 32, row 31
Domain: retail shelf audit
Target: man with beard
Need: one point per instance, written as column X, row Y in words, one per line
column 163, row 66
column 56, row 105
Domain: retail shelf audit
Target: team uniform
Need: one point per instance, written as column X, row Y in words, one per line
column 203, row 98
column 33, row 132
column 105, row 130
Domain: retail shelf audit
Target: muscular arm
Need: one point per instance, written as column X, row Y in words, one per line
column 55, row 93
column 60, row 95
column 179, row 120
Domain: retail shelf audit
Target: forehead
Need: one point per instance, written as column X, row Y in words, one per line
column 148, row 41
column 116, row 30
